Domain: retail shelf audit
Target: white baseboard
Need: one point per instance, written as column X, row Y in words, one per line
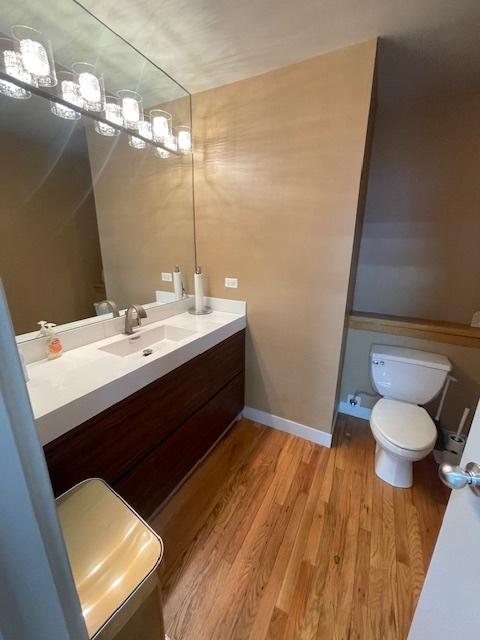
column 295, row 428
column 351, row 410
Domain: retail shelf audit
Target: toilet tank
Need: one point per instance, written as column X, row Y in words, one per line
column 407, row 374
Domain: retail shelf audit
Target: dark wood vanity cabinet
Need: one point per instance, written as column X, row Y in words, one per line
column 147, row 443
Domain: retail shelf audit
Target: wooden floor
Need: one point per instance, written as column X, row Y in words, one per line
column 274, row 537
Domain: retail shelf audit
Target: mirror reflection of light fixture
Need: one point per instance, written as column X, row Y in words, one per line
column 113, row 113
column 136, row 143
column 37, row 54
column 161, row 124
column 184, row 139
column 69, row 90
column 132, row 108
column 27, row 59
column 171, row 143
column 145, row 130
column 11, row 63
column 91, row 85
column 161, row 153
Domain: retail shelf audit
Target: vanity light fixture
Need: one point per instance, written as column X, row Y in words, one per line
column 114, row 114
column 184, row 139
column 171, row 142
column 161, row 153
column 37, row 55
column 27, row 57
column 136, row 143
column 91, row 85
column 161, row 125
column 11, row 63
column 132, row 108
column 145, row 130
column 69, row 90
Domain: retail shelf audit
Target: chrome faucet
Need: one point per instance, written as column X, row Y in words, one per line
column 132, row 320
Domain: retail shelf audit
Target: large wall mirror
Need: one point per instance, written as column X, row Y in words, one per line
column 89, row 210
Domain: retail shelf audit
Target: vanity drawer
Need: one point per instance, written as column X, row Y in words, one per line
column 110, row 444
column 147, row 485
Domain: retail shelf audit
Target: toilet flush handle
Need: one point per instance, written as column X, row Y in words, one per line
column 457, row 478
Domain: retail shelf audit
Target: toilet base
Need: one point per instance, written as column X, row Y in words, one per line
column 392, row 469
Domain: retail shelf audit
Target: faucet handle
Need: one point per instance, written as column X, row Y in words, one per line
column 140, row 312
column 130, row 321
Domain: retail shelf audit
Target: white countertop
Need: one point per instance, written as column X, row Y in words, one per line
column 85, row 381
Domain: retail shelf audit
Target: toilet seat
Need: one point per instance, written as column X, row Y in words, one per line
column 403, row 425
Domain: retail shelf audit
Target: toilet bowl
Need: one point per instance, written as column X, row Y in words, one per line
column 403, row 430
column 404, row 433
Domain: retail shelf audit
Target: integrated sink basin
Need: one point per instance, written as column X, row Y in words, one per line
column 144, row 340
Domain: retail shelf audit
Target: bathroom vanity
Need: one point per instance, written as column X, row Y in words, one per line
column 141, row 423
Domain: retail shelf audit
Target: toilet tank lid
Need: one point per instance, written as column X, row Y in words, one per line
column 410, row 356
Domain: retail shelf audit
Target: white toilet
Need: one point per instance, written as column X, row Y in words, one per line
column 404, row 432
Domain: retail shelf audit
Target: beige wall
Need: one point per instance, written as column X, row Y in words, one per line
column 419, row 247
column 145, row 217
column 278, row 159
column 49, row 252
column 466, row 368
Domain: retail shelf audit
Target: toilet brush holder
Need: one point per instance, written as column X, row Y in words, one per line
column 453, row 446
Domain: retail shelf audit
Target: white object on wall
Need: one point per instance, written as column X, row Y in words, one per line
column 231, row 283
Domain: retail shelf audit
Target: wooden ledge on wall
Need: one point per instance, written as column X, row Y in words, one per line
column 450, row 332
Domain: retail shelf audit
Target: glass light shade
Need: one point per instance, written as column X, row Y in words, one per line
column 11, row 63
column 37, row 54
column 184, row 139
column 145, row 130
column 161, row 153
column 136, row 143
column 132, row 107
column 91, row 85
column 69, row 90
column 161, row 124
column 171, row 143
column 113, row 113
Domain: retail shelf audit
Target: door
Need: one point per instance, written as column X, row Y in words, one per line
column 38, row 598
column 449, row 605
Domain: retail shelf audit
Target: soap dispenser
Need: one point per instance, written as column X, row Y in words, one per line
column 54, row 345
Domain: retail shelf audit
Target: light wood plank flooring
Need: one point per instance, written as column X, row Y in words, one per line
column 275, row 538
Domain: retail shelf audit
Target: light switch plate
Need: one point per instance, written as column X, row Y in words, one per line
column 231, row 283
column 167, row 277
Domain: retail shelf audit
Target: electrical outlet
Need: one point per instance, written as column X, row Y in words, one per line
column 167, row 277
column 231, row 283
column 355, row 401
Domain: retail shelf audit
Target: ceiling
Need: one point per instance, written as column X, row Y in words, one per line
column 428, row 47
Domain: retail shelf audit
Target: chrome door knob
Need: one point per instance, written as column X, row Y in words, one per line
column 457, row 478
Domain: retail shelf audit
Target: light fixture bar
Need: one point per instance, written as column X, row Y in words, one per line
column 43, row 93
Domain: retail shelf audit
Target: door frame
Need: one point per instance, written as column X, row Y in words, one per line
column 38, row 598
